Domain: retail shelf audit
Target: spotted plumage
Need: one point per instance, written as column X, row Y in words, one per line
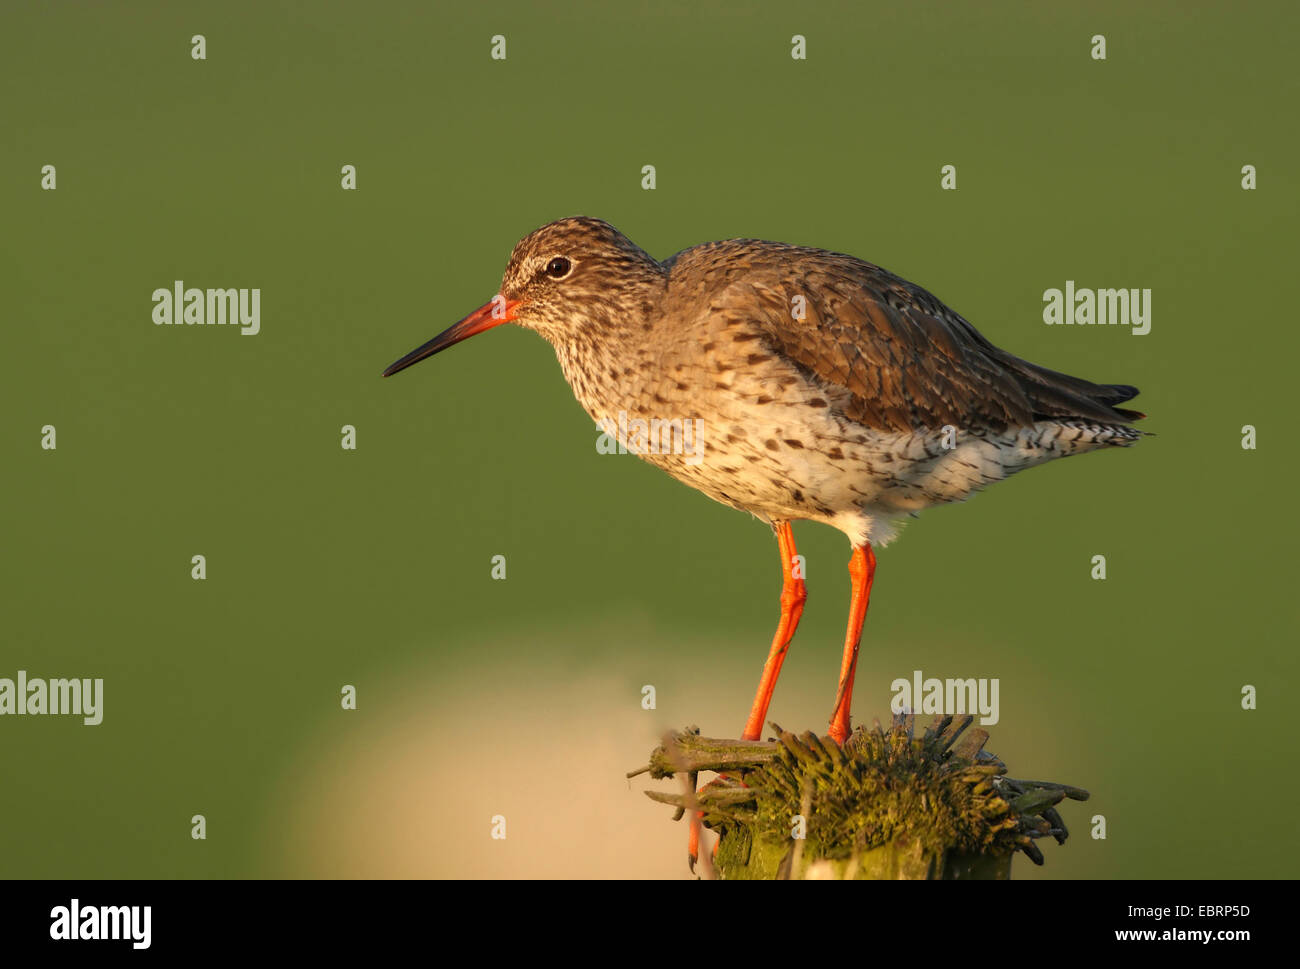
column 817, row 386
column 826, row 388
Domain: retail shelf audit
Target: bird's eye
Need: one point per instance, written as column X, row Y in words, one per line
column 558, row 267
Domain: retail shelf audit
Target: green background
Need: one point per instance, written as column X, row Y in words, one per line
column 372, row 567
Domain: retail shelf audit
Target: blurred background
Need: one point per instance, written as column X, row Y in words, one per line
column 372, row 567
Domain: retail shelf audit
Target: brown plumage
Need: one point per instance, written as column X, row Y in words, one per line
column 905, row 359
column 820, row 386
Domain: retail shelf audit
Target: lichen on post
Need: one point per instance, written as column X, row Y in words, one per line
column 888, row 804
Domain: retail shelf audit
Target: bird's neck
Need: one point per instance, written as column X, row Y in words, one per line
column 607, row 360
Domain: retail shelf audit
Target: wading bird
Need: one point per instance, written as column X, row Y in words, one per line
column 828, row 390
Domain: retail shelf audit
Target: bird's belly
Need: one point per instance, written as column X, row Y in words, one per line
column 825, row 468
column 765, row 441
column 782, row 463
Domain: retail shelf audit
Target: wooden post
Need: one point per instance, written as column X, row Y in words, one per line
column 888, row 804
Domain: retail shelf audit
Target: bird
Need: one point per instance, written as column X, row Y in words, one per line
column 820, row 387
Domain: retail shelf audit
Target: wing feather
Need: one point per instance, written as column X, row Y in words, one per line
column 905, row 359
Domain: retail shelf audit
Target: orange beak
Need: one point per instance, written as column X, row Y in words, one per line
column 500, row 310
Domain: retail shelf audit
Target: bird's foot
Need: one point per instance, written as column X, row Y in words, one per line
column 693, row 841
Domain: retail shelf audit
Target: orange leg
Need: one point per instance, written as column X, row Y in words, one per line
column 862, row 569
column 794, row 593
column 693, row 839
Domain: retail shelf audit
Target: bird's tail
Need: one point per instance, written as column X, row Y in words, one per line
column 1058, row 396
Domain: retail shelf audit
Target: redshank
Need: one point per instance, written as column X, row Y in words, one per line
column 822, row 388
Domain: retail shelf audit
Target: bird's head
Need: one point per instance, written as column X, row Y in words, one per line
column 566, row 276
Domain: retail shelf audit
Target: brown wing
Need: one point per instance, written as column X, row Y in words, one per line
column 906, row 360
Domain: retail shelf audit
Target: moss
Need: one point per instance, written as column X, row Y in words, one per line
column 889, row 804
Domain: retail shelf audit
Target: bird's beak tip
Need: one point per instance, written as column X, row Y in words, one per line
column 485, row 317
